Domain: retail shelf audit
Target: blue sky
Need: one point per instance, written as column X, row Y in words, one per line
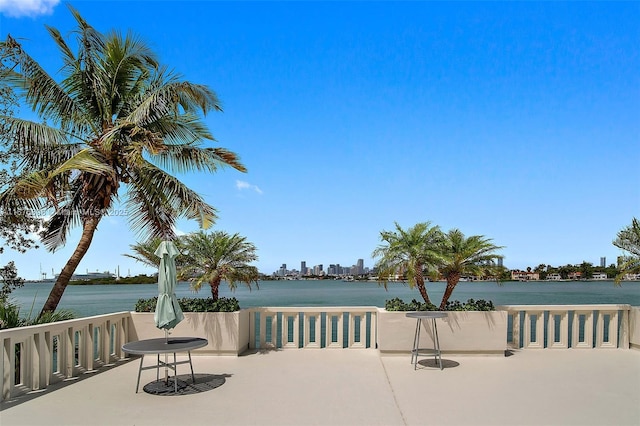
column 517, row 121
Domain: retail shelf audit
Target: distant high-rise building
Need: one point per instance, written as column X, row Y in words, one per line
column 283, row 270
column 360, row 267
column 303, row 268
column 603, row 262
column 500, row 261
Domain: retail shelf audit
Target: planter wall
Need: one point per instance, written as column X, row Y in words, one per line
column 227, row 332
column 468, row 332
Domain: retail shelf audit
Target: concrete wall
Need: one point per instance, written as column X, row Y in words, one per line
column 227, row 332
column 470, row 332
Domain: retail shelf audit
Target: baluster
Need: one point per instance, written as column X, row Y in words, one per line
column 357, row 322
column 290, row 323
column 312, row 330
column 515, row 333
column 582, row 322
column 556, row 317
column 338, row 343
column 534, row 320
column 607, row 329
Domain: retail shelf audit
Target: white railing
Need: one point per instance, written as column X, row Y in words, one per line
column 310, row 327
column 34, row 357
column 568, row 326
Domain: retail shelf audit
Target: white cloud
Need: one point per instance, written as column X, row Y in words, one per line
column 246, row 185
column 18, row 8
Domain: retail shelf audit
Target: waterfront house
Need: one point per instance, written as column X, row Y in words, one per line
column 554, row 276
column 518, row 275
column 575, row 275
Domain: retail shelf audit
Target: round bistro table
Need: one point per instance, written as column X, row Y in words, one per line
column 415, row 351
column 164, row 346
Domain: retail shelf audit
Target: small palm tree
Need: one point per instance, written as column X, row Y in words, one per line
column 216, row 256
column 410, row 253
column 116, row 125
column 461, row 256
column 145, row 252
column 628, row 239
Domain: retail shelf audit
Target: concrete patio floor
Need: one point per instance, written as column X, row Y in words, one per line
column 357, row 387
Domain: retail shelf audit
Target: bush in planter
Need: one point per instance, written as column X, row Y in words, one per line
column 397, row 304
column 223, row 304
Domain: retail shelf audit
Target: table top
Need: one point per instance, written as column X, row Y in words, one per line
column 163, row 345
column 427, row 314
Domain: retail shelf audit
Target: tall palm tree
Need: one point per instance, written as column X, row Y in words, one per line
column 461, row 256
column 411, row 253
column 628, row 239
column 216, row 256
column 115, row 121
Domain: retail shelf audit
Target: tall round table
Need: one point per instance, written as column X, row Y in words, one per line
column 164, row 346
column 431, row 316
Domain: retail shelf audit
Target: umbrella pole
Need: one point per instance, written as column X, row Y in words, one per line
column 166, row 368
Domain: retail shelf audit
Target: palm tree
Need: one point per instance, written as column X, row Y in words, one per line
column 628, row 239
column 586, row 270
column 216, row 256
column 145, row 252
column 115, row 121
column 410, row 252
column 461, row 256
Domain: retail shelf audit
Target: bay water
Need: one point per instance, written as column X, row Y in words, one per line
column 88, row 300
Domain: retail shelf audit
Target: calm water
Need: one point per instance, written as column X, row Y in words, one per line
column 100, row 299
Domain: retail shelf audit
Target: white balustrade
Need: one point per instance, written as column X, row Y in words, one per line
column 280, row 327
column 34, row 357
column 569, row 326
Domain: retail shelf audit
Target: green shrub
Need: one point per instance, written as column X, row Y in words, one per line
column 223, row 304
column 10, row 316
column 397, row 304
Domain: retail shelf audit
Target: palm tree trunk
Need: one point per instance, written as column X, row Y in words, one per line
column 423, row 290
column 215, row 287
column 452, row 281
column 420, row 284
column 88, row 229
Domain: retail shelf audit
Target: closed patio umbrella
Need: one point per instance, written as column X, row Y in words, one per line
column 168, row 313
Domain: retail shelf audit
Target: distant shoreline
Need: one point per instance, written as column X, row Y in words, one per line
column 154, row 280
column 140, row 279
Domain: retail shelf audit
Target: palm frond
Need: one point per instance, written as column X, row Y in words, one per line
column 186, row 158
column 126, row 60
column 84, row 161
column 66, row 217
column 43, row 94
column 145, row 252
column 27, row 135
column 156, row 199
column 181, row 129
column 68, row 57
column 166, row 94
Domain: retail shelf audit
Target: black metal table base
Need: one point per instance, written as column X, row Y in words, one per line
column 159, row 387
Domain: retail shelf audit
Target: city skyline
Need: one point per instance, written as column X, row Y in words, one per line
column 513, row 120
column 360, row 267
